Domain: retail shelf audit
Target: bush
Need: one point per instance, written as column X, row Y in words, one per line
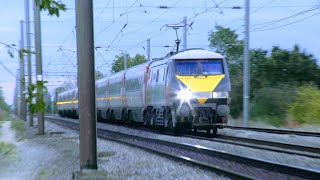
column 271, row 104
column 6, row 148
column 4, row 115
column 18, row 125
column 306, row 107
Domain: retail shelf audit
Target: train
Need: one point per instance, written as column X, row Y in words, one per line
column 186, row 90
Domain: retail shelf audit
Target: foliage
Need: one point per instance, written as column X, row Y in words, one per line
column 99, row 75
column 225, row 41
column 271, row 103
column 284, row 66
column 4, row 116
column 52, row 6
column 18, row 125
column 118, row 64
column 40, row 105
column 3, row 105
column 270, row 70
column 6, row 148
column 306, row 107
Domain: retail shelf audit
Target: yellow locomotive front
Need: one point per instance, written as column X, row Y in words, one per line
column 202, row 86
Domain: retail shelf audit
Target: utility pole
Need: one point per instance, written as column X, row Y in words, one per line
column 148, row 49
column 246, row 69
column 16, row 95
column 185, row 33
column 27, row 16
column 86, row 84
column 37, row 31
column 22, row 79
column 125, row 60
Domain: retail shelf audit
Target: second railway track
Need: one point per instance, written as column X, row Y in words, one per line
column 287, row 148
column 228, row 164
column 276, row 131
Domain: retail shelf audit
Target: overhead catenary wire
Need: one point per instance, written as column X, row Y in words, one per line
column 286, row 18
column 151, row 22
column 106, row 62
column 7, row 69
column 196, row 15
column 259, row 8
column 108, row 26
column 101, row 12
column 287, row 23
column 197, row 7
column 121, row 30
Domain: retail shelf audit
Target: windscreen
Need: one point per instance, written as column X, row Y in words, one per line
column 199, row 67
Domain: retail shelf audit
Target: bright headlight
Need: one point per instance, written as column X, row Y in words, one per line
column 185, row 94
column 220, row 94
column 214, row 94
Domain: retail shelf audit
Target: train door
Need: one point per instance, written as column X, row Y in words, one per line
column 157, row 85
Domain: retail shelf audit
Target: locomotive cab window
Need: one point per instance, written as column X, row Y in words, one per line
column 199, row 67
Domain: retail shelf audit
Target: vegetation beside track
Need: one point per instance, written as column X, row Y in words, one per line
column 284, row 82
column 18, row 125
column 6, row 148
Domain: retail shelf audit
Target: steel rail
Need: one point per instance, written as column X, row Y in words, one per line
column 229, row 164
column 276, row 131
column 279, row 147
column 308, row 151
column 102, row 133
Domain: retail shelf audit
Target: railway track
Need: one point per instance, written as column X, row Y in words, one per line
column 276, row 131
column 279, row 147
column 228, row 164
column 293, row 149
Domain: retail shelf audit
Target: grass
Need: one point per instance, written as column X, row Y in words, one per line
column 7, row 148
column 4, row 115
column 18, row 125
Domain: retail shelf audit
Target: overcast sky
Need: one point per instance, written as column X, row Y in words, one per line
column 143, row 20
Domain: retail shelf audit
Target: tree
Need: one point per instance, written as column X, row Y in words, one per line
column 99, row 75
column 225, row 41
column 34, row 90
column 3, row 105
column 285, row 67
column 306, row 107
column 271, row 103
column 52, row 6
column 281, row 68
column 118, row 64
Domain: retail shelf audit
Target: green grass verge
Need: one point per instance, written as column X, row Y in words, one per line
column 7, row 148
column 18, row 125
column 4, row 116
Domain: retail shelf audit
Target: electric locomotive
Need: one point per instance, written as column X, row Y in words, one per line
column 185, row 90
column 189, row 90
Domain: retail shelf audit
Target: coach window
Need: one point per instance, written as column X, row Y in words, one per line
column 151, row 76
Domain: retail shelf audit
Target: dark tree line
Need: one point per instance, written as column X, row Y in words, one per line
column 276, row 74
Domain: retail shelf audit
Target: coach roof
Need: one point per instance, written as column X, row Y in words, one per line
column 197, row 54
